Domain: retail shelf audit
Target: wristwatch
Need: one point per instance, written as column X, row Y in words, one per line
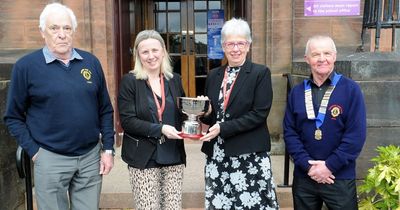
column 109, row 152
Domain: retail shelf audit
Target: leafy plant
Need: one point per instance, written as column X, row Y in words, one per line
column 381, row 187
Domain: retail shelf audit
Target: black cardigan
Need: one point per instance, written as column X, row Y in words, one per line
column 245, row 127
column 138, row 142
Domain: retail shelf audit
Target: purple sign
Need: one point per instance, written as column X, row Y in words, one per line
column 331, row 7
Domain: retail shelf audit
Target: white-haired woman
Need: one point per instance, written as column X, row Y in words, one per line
column 238, row 167
column 150, row 118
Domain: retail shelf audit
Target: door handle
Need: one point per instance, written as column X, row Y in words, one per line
column 191, row 41
column 191, row 44
column 183, row 44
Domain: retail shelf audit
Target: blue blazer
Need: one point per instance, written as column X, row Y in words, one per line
column 245, row 127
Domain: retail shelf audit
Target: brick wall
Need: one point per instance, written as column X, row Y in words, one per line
column 19, row 29
column 345, row 31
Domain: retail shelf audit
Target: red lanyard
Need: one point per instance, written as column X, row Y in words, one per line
column 227, row 95
column 160, row 109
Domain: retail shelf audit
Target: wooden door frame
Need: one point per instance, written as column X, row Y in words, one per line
column 121, row 55
column 122, row 37
column 122, row 34
column 122, row 48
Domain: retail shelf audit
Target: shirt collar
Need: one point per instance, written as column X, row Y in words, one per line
column 49, row 57
column 328, row 81
column 233, row 69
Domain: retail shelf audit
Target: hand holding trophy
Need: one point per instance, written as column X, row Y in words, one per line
column 193, row 108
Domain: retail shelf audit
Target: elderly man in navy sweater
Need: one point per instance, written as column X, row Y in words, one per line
column 324, row 132
column 57, row 109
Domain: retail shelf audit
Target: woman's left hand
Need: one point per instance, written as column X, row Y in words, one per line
column 212, row 133
column 209, row 110
column 170, row 132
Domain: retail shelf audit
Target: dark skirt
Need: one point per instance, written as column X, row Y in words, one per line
column 239, row 182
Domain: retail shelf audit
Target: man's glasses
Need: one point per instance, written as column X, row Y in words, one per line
column 231, row 45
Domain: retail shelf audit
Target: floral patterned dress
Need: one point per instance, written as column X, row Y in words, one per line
column 237, row 182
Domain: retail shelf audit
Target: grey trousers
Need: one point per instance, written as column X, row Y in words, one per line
column 67, row 182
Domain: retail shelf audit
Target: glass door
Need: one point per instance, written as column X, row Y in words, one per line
column 183, row 25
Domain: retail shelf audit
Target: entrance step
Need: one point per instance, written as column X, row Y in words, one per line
column 116, row 190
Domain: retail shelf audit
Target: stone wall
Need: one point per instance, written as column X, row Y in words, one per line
column 280, row 31
column 12, row 188
column 379, row 79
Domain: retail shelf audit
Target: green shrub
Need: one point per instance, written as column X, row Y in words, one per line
column 381, row 187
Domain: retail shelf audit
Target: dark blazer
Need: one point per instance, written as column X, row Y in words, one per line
column 141, row 132
column 245, row 128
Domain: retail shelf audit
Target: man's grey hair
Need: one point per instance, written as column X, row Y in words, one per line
column 56, row 7
column 319, row 37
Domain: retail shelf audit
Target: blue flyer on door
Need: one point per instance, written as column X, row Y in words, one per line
column 215, row 21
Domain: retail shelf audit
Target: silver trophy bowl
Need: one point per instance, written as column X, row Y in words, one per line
column 193, row 108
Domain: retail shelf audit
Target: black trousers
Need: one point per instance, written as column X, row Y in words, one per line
column 309, row 194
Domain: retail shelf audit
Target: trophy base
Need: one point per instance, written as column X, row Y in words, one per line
column 191, row 136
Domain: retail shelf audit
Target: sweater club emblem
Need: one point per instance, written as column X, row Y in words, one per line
column 87, row 74
column 336, row 110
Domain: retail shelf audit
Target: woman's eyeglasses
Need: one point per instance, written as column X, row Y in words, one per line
column 231, row 45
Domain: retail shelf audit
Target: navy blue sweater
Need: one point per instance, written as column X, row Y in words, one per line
column 61, row 109
column 343, row 131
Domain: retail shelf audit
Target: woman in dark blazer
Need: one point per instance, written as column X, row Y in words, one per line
column 151, row 147
column 238, row 167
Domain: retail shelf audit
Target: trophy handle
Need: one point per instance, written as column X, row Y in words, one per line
column 185, row 112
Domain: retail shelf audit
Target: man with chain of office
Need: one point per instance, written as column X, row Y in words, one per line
column 324, row 132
